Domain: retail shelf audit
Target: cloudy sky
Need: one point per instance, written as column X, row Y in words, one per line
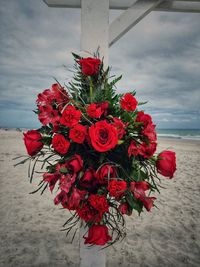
column 159, row 57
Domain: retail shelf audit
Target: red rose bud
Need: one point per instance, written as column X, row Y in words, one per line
column 89, row 66
column 98, row 235
column 166, row 163
column 32, row 141
column 60, row 144
column 103, row 136
column 75, row 164
column 70, row 116
column 98, row 202
column 104, row 173
column 128, row 102
column 117, row 188
column 78, row 133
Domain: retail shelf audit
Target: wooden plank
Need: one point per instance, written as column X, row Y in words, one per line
column 179, row 6
column 129, row 18
column 123, row 4
column 94, row 27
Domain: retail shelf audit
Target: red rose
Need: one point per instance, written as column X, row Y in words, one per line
column 120, row 126
column 89, row 66
column 98, row 202
column 88, row 179
column 32, row 141
column 117, row 188
column 98, row 235
column 70, row 116
column 75, row 164
column 78, row 133
column 60, row 144
column 128, row 102
column 166, row 163
column 105, row 172
column 103, row 136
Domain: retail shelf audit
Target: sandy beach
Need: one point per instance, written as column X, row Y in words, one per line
column 166, row 237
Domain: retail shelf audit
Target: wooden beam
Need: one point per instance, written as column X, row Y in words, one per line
column 129, row 18
column 114, row 4
column 179, row 6
column 94, row 27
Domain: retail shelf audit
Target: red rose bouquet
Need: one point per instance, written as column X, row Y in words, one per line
column 96, row 151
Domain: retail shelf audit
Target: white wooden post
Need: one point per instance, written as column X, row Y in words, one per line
column 94, row 34
column 94, row 27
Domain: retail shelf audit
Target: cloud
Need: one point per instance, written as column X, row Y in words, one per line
column 159, row 58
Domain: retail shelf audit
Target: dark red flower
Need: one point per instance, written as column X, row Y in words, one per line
column 120, row 126
column 32, row 141
column 128, row 102
column 75, row 163
column 98, row 235
column 133, row 149
column 148, row 202
column 94, row 110
column 105, row 172
column 98, row 202
column 70, row 116
column 60, row 144
column 51, row 178
column 61, row 197
column 147, row 150
column 66, row 182
column 88, row 179
column 117, row 188
column 166, row 163
column 149, row 132
column 48, row 115
column 139, row 188
column 103, row 136
column 89, row 214
column 144, row 118
column 78, row 133
column 124, row 209
column 74, row 199
column 89, row 66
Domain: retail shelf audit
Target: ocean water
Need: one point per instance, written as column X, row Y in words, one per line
column 190, row 134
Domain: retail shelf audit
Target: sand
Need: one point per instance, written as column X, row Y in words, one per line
column 166, row 237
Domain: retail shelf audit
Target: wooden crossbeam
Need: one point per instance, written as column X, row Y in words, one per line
column 129, row 18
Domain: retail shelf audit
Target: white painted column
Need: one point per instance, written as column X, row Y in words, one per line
column 94, row 34
column 94, row 27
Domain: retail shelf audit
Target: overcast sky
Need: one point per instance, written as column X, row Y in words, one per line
column 159, row 57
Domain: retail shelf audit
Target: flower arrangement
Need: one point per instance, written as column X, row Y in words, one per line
column 97, row 150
